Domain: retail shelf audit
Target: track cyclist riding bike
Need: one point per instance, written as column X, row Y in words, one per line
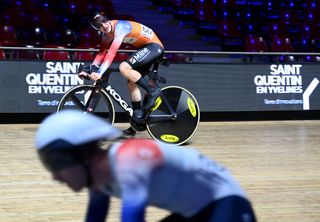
column 141, row 172
column 149, row 47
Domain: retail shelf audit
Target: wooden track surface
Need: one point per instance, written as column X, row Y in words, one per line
column 277, row 162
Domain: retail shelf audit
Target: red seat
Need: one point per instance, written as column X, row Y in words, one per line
column 227, row 9
column 182, row 3
column 230, row 35
column 313, row 5
column 227, row 4
column 64, row 37
column 254, row 28
column 78, row 7
column 183, row 9
column 291, row 19
column 32, row 55
column 304, row 45
column 69, row 38
column 55, row 55
column 84, row 55
column 203, row 11
column 312, row 16
column 229, row 28
column 308, row 30
column 281, row 44
column 54, row 36
column 2, row 54
column 204, row 18
column 25, row 4
column 124, row 17
column 290, row 16
column 16, row 17
column 27, row 54
column 255, row 44
column 89, row 38
column 105, row 6
column 37, row 37
column 42, row 18
column 8, row 35
column 276, row 28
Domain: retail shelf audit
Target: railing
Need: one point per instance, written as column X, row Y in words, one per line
column 166, row 51
column 243, row 56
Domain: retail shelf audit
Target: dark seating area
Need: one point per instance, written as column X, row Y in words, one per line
column 252, row 25
column 53, row 24
column 235, row 25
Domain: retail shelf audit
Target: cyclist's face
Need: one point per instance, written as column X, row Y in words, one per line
column 106, row 27
column 74, row 176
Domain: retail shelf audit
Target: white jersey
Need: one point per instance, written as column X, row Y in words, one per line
column 180, row 180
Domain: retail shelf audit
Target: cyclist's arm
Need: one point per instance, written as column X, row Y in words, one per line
column 98, row 206
column 121, row 30
column 136, row 161
column 106, row 42
column 134, row 197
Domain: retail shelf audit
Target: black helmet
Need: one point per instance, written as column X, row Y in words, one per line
column 97, row 20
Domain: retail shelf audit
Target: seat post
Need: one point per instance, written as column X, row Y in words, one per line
column 155, row 66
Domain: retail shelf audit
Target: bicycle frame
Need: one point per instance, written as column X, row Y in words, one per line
column 163, row 122
column 104, row 83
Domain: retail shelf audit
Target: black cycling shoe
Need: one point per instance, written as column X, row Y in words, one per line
column 129, row 132
column 152, row 97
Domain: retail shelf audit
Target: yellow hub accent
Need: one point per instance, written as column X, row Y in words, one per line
column 169, row 138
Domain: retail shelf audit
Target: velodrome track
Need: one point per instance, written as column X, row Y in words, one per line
column 277, row 162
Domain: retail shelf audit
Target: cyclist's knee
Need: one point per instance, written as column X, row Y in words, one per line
column 132, row 84
column 124, row 67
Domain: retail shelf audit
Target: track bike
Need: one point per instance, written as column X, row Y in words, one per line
column 173, row 119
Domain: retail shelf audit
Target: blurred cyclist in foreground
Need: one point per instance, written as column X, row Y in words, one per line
column 141, row 172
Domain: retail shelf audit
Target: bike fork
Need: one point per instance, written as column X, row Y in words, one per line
column 93, row 100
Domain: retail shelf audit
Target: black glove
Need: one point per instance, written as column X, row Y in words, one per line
column 87, row 69
column 93, row 68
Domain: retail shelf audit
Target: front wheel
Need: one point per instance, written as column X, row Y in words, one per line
column 88, row 98
column 182, row 128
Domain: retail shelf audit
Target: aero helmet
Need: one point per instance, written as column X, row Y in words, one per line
column 65, row 138
column 75, row 128
column 97, row 20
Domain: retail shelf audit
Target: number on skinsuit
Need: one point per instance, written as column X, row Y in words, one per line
column 146, row 32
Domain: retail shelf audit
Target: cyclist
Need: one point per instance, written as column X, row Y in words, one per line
column 149, row 49
column 141, row 172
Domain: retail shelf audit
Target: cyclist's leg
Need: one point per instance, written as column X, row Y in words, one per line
column 229, row 209
column 142, row 57
column 135, row 96
column 232, row 209
column 174, row 218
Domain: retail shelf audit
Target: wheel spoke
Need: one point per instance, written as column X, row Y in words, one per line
column 77, row 102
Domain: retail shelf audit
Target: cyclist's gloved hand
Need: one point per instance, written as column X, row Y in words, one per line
column 94, row 68
column 84, row 75
column 84, row 72
column 94, row 75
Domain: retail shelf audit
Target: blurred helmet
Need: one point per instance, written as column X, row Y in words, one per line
column 97, row 20
column 61, row 136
